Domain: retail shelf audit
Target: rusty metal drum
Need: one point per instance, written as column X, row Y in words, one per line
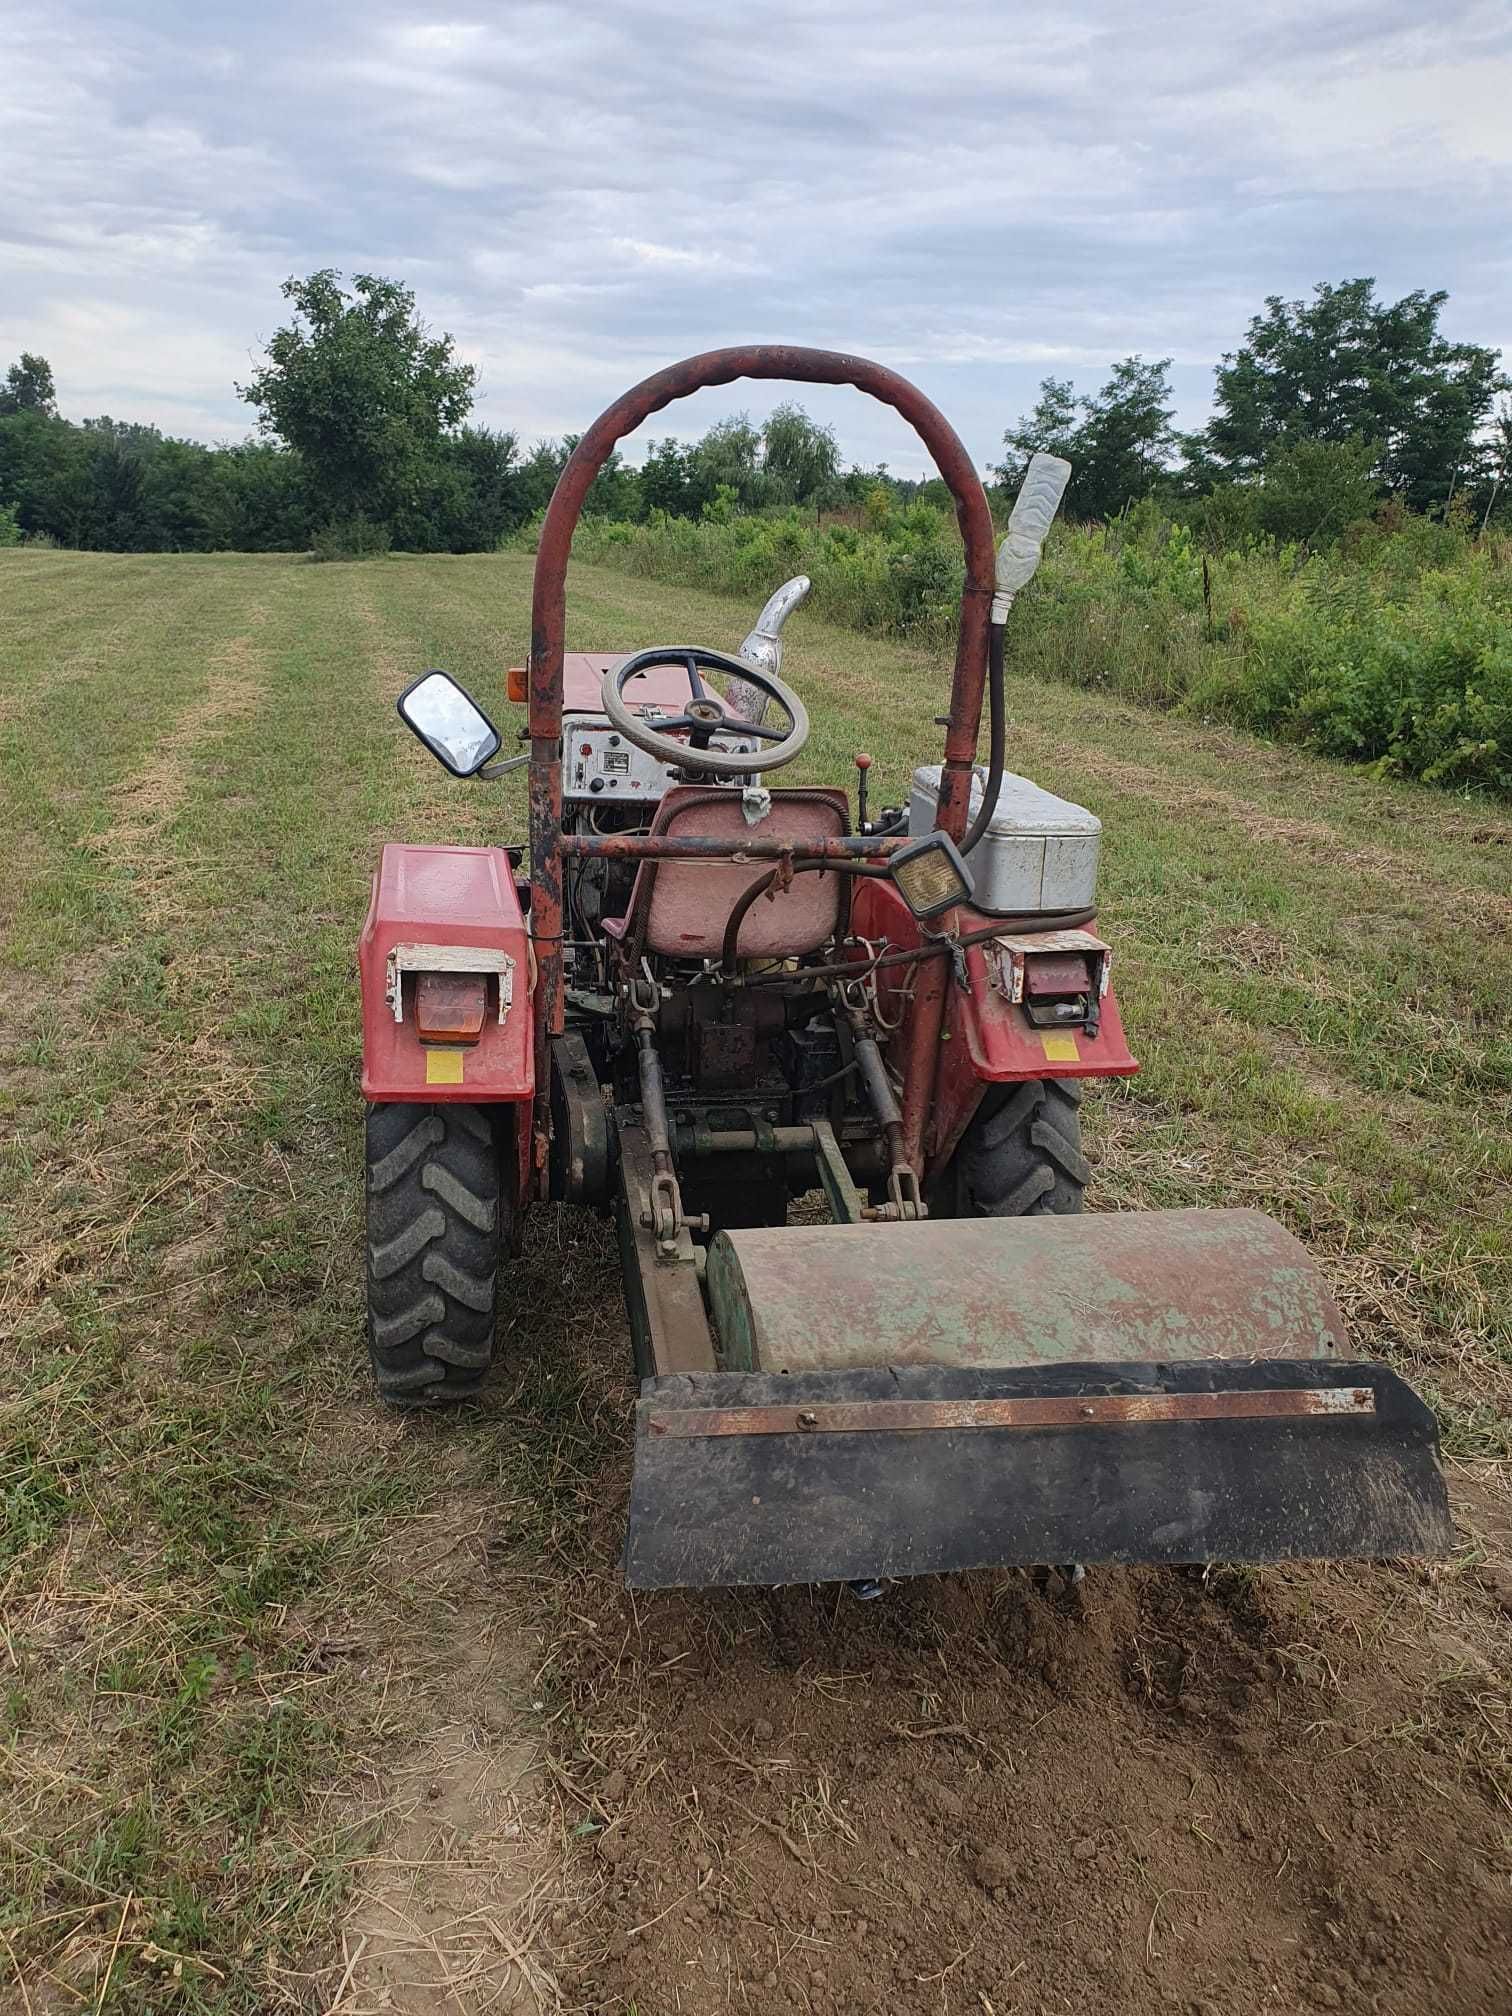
column 1147, row 1287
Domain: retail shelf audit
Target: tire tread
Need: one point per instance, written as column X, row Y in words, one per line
column 435, row 1212
column 1021, row 1156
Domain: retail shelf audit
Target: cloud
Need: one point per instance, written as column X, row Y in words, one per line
column 977, row 195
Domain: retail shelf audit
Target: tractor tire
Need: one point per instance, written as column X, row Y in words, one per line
column 435, row 1230
column 1021, row 1155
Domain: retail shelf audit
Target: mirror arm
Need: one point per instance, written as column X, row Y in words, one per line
column 489, row 771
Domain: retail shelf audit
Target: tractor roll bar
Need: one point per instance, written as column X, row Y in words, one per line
column 548, row 637
column 548, row 602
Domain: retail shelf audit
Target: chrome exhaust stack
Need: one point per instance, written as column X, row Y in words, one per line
column 762, row 647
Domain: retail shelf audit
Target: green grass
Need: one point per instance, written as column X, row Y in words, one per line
column 198, row 760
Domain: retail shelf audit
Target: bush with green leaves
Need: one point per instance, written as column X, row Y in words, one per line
column 1393, row 648
column 354, row 538
column 10, row 525
column 1415, row 680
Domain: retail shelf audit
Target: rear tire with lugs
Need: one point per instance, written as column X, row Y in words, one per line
column 1021, row 1155
column 434, row 1224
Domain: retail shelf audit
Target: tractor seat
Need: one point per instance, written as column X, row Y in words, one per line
column 679, row 909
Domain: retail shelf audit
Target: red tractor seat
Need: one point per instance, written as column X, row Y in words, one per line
column 679, row 909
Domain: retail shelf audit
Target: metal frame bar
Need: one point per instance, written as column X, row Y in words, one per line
column 669, row 1326
column 1117, row 1410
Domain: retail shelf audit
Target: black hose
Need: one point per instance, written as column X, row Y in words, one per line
column 1026, row 922
column 997, row 737
column 753, row 891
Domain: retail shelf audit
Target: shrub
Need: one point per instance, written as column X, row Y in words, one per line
column 355, row 538
column 1393, row 649
column 10, row 525
column 1313, row 490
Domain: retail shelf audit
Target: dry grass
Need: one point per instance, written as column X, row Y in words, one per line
column 246, row 1620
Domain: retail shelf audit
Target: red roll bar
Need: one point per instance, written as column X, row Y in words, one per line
column 548, row 627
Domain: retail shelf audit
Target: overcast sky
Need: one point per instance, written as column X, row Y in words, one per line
column 977, row 194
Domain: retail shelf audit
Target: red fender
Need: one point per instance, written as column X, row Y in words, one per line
column 986, row 1039
column 456, row 910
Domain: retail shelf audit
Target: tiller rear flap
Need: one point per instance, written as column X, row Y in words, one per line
column 820, row 1476
column 1126, row 1386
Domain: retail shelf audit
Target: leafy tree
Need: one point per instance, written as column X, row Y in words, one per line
column 799, row 457
column 668, row 481
column 29, row 387
column 255, row 500
column 1345, row 367
column 1053, row 428
column 540, row 470
column 615, row 491
column 44, row 467
column 492, row 489
column 363, row 390
column 1118, row 442
column 1497, row 493
column 1311, row 490
column 730, row 454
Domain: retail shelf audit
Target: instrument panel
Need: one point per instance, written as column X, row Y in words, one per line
column 599, row 765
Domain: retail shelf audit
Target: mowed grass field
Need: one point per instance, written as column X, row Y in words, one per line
column 262, row 1643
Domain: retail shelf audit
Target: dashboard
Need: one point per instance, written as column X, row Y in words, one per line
column 600, row 765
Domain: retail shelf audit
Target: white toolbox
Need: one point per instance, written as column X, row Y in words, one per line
column 1039, row 853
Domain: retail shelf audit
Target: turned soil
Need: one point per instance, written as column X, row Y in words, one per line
column 1012, row 1792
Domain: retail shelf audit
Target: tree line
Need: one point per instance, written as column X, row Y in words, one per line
column 364, row 440
column 1327, row 406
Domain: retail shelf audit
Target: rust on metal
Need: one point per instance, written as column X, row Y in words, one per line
column 548, row 639
column 1146, row 1287
column 1091, row 1410
column 668, row 1325
column 713, row 847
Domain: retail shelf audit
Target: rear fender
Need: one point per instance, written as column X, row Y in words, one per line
column 450, row 910
column 987, row 1037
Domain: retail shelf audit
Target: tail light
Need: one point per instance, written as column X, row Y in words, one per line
column 1058, row 978
column 450, row 1007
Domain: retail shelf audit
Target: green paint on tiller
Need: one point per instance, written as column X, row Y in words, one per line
column 1132, row 1287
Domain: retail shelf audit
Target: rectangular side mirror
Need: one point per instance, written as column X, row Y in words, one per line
column 449, row 722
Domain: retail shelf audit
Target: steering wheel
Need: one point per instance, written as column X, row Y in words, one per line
column 704, row 717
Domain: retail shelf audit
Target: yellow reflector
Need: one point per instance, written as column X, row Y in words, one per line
column 444, row 1067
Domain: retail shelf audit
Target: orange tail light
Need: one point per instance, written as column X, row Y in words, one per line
column 450, row 1007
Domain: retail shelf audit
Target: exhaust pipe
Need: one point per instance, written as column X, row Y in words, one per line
column 763, row 646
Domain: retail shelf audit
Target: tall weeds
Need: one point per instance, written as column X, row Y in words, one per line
column 1393, row 649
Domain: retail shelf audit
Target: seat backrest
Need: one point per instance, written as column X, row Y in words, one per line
column 679, row 909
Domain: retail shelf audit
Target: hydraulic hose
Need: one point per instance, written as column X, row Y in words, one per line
column 1030, row 921
column 997, row 739
column 740, row 909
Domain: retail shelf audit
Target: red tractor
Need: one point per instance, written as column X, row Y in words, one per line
column 710, row 994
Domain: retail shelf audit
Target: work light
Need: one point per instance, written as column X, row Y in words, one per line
column 930, row 874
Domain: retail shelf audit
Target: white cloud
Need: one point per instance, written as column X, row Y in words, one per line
column 978, row 195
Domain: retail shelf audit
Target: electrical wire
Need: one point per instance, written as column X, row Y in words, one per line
column 1054, row 920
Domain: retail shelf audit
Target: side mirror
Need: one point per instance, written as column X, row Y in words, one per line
column 449, row 722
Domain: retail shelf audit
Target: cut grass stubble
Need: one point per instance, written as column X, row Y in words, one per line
column 212, row 1661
